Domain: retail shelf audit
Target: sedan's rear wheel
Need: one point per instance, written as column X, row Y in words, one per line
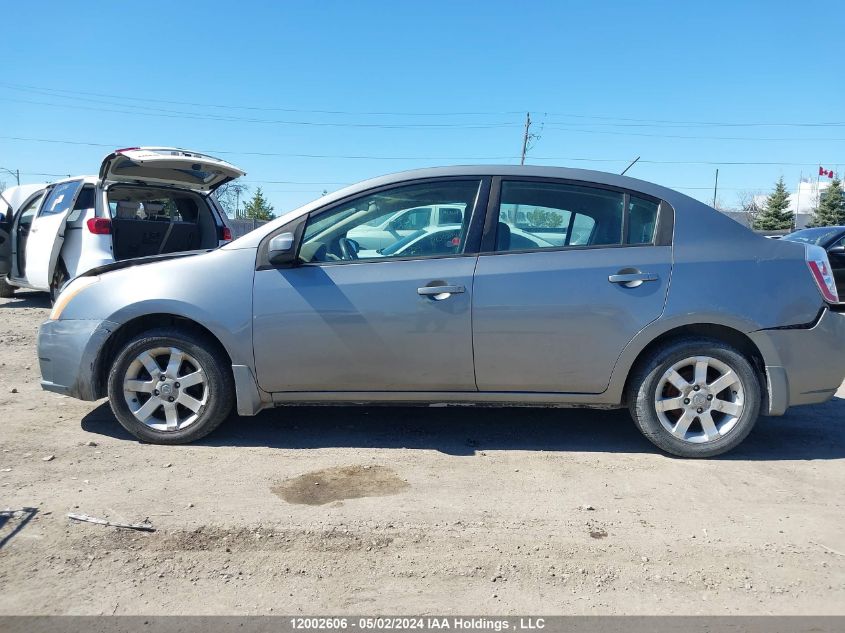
column 170, row 387
column 695, row 398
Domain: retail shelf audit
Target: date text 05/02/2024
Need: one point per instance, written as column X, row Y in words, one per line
column 405, row 623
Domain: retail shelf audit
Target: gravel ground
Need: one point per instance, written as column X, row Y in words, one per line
column 401, row 510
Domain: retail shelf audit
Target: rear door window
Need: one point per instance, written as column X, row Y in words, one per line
column 547, row 214
column 539, row 215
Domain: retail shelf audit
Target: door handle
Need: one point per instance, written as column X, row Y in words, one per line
column 631, row 279
column 438, row 293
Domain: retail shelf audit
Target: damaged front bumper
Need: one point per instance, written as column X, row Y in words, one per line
column 68, row 352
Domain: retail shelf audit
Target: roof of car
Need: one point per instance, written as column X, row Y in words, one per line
column 587, row 175
column 88, row 179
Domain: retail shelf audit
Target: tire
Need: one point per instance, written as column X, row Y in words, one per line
column 199, row 408
column 60, row 278
column 6, row 291
column 688, row 417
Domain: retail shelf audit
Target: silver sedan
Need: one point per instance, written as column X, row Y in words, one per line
column 560, row 287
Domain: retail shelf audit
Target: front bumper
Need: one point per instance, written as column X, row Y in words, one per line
column 803, row 366
column 67, row 354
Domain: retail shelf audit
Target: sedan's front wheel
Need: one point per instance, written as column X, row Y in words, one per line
column 695, row 398
column 170, row 387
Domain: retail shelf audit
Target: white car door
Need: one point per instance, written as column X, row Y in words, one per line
column 47, row 234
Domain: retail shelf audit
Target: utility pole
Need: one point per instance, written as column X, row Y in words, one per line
column 16, row 174
column 525, row 137
column 715, row 187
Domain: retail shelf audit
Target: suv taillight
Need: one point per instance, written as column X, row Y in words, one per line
column 99, row 226
column 820, row 268
column 227, row 234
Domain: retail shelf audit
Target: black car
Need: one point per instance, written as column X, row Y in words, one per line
column 831, row 239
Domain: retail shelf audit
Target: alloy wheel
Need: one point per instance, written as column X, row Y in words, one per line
column 699, row 399
column 165, row 388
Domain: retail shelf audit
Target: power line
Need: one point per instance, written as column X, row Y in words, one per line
column 682, row 136
column 481, row 158
column 627, row 121
column 175, row 114
column 256, row 108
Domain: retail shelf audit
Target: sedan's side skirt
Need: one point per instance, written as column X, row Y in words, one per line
column 448, row 398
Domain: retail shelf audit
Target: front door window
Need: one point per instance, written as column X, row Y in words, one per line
column 347, row 232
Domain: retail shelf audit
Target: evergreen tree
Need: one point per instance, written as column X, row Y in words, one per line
column 831, row 211
column 776, row 214
column 258, row 208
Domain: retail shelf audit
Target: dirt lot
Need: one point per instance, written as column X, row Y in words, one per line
column 389, row 510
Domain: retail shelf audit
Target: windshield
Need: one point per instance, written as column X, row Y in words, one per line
column 397, row 246
column 816, row 236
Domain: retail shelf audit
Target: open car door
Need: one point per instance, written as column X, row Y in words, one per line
column 12, row 200
column 47, row 233
column 6, row 218
column 167, row 166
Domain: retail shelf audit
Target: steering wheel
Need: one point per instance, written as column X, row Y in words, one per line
column 347, row 248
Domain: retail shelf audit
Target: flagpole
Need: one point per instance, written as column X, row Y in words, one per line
column 798, row 202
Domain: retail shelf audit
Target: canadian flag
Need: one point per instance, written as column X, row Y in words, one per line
column 826, row 172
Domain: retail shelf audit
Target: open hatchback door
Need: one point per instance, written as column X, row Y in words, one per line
column 167, row 166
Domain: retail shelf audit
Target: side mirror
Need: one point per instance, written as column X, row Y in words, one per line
column 839, row 249
column 282, row 249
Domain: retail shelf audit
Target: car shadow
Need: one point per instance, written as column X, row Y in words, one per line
column 29, row 299
column 805, row 433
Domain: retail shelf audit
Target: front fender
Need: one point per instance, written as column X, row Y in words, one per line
column 212, row 289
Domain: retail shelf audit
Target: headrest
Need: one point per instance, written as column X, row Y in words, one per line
column 127, row 210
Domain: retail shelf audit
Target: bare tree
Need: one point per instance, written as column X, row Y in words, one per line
column 229, row 196
column 722, row 206
column 748, row 204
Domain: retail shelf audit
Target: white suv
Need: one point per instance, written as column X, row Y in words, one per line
column 145, row 202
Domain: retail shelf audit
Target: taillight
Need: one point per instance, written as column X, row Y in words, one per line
column 99, row 226
column 227, row 234
column 820, row 268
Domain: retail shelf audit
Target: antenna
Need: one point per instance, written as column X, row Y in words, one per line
column 633, row 162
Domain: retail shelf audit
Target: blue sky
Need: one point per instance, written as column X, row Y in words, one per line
column 408, row 84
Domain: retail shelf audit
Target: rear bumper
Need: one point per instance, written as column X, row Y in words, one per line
column 67, row 354
column 803, row 366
